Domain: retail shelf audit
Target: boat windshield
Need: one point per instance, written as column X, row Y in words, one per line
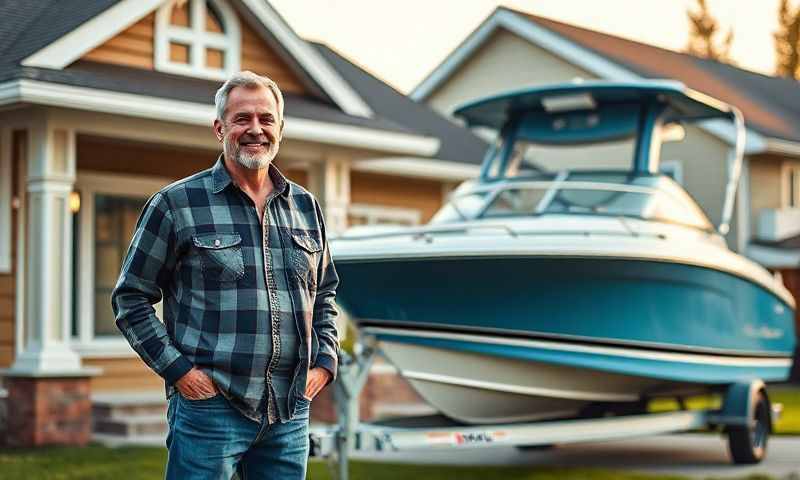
column 652, row 197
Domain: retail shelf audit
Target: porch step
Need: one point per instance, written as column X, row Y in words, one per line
column 129, row 418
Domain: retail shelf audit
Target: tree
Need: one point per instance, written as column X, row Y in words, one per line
column 787, row 41
column 704, row 33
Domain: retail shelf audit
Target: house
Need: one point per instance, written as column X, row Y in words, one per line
column 102, row 103
column 532, row 50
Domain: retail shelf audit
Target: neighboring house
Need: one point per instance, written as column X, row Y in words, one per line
column 513, row 50
column 103, row 102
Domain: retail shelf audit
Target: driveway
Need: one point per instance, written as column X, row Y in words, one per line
column 693, row 455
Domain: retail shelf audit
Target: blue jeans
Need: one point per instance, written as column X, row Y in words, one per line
column 209, row 439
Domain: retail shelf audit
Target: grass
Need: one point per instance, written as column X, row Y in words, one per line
column 789, row 423
column 135, row 463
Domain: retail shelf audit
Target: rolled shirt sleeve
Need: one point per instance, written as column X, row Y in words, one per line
column 146, row 274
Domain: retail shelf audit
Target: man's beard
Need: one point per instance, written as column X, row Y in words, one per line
column 255, row 161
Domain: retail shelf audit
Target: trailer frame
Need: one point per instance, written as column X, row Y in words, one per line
column 742, row 417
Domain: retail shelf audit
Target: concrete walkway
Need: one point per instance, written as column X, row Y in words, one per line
column 691, row 455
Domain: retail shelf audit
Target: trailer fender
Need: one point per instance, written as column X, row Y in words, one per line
column 739, row 402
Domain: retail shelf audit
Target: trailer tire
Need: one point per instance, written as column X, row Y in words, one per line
column 748, row 443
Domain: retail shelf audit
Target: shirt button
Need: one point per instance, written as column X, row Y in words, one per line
column 216, row 242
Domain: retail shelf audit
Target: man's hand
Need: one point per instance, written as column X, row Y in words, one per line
column 196, row 385
column 317, row 379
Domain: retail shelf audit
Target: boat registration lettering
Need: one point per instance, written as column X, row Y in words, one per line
column 468, row 438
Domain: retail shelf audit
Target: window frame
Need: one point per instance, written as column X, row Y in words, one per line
column 89, row 183
column 198, row 39
column 786, row 185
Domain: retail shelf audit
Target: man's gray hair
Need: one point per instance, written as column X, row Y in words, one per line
column 246, row 79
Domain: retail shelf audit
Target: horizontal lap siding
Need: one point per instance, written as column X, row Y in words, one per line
column 7, row 308
column 133, row 47
column 123, row 374
column 8, row 280
column 390, row 191
column 259, row 58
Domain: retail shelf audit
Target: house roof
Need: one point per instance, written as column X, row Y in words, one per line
column 771, row 106
column 28, row 26
column 457, row 143
column 32, row 26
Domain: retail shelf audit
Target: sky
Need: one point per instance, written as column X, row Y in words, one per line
column 401, row 41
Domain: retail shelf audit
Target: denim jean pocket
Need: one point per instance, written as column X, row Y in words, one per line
column 220, row 256
column 216, row 401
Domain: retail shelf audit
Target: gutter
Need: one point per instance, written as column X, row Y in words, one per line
column 142, row 106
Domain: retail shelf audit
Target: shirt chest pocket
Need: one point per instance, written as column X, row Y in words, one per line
column 305, row 257
column 220, row 256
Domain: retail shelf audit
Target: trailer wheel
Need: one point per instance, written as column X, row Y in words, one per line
column 748, row 444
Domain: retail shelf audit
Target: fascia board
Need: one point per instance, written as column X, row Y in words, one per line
column 428, row 168
column 91, row 34
column 317, row 67
column 82, row 98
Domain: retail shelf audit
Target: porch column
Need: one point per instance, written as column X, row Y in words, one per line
column 48, row 388
column 329, row 180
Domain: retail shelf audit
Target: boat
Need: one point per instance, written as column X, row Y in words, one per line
column 549, row 288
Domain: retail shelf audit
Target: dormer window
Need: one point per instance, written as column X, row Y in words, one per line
column 199, row 38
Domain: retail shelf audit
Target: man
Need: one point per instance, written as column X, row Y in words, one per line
column 239, row 256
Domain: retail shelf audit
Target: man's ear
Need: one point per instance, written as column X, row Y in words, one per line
column 219, row 130
column 280, row 133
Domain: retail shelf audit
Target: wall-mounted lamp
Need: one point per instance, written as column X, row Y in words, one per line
column 74, row 201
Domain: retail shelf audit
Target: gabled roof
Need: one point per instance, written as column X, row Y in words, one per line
column 54, row 33
column 458, row 144
column 396, row 124
column 770, row 105
column 28, row 26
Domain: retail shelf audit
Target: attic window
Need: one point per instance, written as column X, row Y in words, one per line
column 200, row 38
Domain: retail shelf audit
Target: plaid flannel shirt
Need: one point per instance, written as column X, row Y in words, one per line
column 200, row 246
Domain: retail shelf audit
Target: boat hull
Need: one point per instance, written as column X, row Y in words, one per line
column 512, row 339
column 638, row 303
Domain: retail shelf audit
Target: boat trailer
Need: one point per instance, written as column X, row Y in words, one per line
column 746, row 417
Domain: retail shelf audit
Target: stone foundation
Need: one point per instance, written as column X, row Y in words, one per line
column 48, row 411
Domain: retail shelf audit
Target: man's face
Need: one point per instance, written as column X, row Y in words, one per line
column 252, row 128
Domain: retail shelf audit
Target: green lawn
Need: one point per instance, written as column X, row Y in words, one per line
column 789, row 423
column 100, row 463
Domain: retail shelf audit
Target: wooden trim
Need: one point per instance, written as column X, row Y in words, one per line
column 259, row 58
column 133, row 47
column 5, row 200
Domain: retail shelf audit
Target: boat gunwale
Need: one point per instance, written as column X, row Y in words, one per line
column 778, row 291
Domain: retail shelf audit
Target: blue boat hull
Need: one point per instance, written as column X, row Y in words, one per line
column 644, row 307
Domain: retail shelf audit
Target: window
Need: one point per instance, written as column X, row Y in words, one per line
column 109, row 208
column 791, row 186
column 197, row 37
column 114, row 222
